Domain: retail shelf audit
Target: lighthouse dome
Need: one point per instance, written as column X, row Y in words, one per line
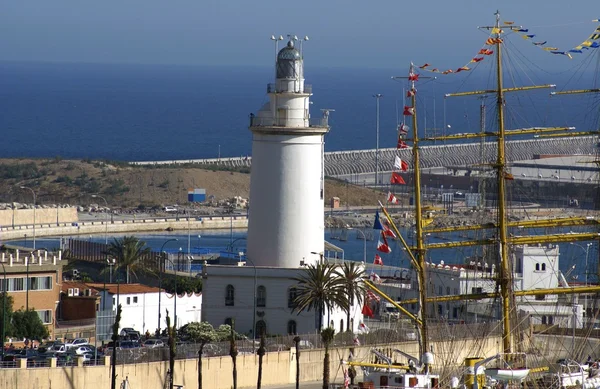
column 289, row 62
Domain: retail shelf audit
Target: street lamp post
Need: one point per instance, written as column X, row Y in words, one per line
column 34, row 202
column 160, row 269
column 377, row 97
column 253, row 299
column 175, row 297
column 3, row 308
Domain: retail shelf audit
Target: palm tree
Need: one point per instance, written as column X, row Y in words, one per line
column 352, row 275
column 327, row 338
column 128, row 251
column 320, row 288
column 233, row 354
column 297, row 345
column 201, row 333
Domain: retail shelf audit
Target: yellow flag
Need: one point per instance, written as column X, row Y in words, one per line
column 550, row 48
column 509, row 23
column 524, row 37
column 426, row 222
column 496, row 31
column 586, row 44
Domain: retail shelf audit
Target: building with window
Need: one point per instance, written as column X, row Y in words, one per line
column 42, row 292
column 534, row 267
column 262, row 298
column 141, row 306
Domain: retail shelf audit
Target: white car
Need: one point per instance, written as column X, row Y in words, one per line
column 80, row 350
column 70, row 343
column 153, row 343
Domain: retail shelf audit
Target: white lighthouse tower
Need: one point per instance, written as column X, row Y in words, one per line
column 286, row 221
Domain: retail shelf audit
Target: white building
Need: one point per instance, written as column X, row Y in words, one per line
column 534, row 267
column 140, row 306
column 286, row 214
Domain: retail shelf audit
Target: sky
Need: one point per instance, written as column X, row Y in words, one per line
column 362, row 34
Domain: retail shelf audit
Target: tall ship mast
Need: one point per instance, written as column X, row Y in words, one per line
column 510, row 365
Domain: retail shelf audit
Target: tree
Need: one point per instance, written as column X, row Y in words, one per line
column 128, row 251
column 327, row 338
column 28, row 325
column 172, row 350
column 320, row 288
column 115, row 339
column 233, row 354
column 201, row 333
column 261, row 354
column 351, row 274
column 6, row 315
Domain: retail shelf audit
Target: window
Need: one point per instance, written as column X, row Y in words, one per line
column 40, row 283
column 544, row 320
column 114, row 301
column 440, row 309
column 229, row 295
column 455, row 313
column 543, row 267
column 540, row 297
column 448, row 290
column 476, row 290
column 229, row 321
column 45, row 316
column 455, row 290
column 440, row 291
column 292, row 327
column 261, row 327
column 128, row 300
column 261, row 296
column 537, row 266
column 135, row 299
column 292, row 294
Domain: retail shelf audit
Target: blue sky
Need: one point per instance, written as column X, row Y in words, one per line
column 377, row 34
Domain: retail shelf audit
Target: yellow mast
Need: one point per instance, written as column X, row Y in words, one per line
column 505, row 274
column 421, row 272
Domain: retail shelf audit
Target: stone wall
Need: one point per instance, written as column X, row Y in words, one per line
column 16, row 217
column 279, row 368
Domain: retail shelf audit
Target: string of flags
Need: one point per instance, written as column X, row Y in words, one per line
column 481, row 55
column 592, row 42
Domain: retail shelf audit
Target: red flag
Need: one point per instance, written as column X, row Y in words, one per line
column 388, row 232
column 397, row 179
column 400, row 164
column 391, row 198
column 372, row 296
column 413, row 77
column 403, row 129
column 402, row 144
column 464, row 68
column 477, row 59
column 508, row 176
column 424, row 66
column 448, row 71
column 383, row 246
column 377, row 260
column 409, row 111
column 367, row 311
column 411, row 92
column 375, row 278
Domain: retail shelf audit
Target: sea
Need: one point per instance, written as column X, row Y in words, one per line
column 130, row 112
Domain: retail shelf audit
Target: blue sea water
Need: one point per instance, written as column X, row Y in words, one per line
column 159, row 112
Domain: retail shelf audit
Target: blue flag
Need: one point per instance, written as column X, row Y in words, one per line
column 377, row 225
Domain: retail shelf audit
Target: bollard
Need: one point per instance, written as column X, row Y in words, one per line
column 17, row 255
column 10, row 258
column 54, row 259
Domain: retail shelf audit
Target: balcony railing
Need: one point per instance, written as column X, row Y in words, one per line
column 272, row 88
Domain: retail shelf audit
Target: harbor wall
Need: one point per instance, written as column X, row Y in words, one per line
column 121, row 226
column 16, row 217
column 279, row 368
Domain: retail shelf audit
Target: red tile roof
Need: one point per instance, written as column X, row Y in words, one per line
column 126, row 288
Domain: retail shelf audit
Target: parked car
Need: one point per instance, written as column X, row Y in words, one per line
column 153, row 343
column 76, row 342
column 58, row 348
column 80, row 350
column 129, row 344
column 305, row 344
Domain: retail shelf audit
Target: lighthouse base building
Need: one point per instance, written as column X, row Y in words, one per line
column 286, row 216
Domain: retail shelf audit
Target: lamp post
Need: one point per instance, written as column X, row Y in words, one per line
column 253, row 299
column 377, row 97
column 3, row 308
column 175, row 297
column 160, row 269
column 34, row 202
column 106, row 218
column 276, row 40
column 587, row 252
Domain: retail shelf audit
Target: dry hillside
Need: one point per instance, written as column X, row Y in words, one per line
column 73, row 181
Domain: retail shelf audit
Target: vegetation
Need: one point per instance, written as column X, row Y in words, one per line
column 352, row 274
column 184, row 285
column 21, row 171
column 202, row 333
column 327, row 338
column 320, row 288
column 6, row 315
column 27, row 325
column 128, row 251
